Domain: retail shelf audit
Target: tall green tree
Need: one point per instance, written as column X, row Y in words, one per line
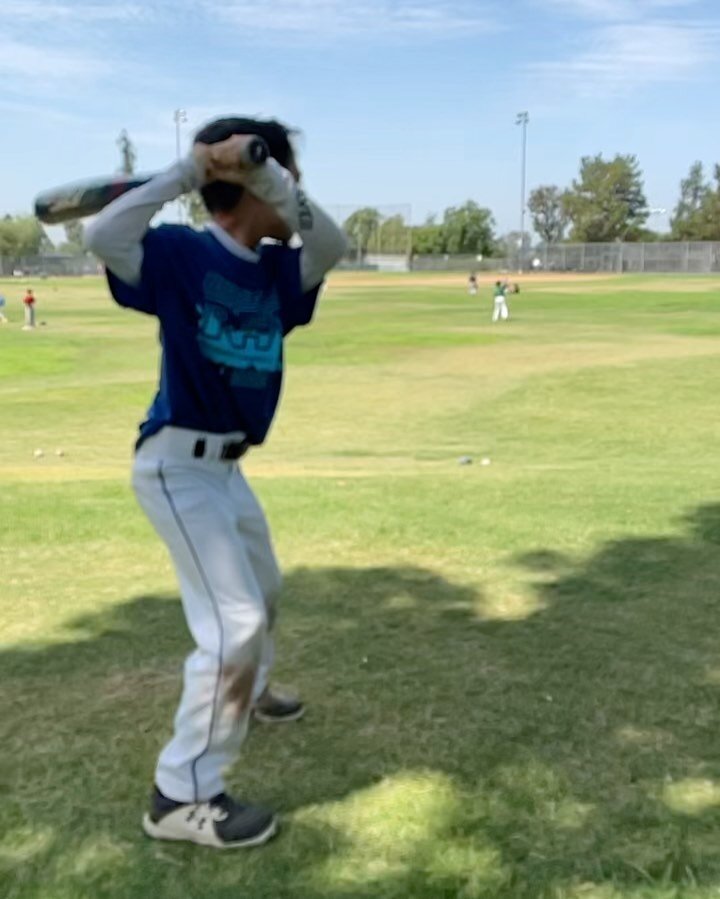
column 21, row 235
column 705, row 222
column 361, row 227
column 196, row 210
column 128, row 154
column 695, row 195
column 428, row 239
column 607, row 200
column 549, row 218
column 469, row 229
column 74, row 233
column 393, row 235
column 46, row 245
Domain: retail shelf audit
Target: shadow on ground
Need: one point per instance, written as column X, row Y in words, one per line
column 444, row 754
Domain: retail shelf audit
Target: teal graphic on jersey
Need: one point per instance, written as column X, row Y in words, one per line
column 240, row 329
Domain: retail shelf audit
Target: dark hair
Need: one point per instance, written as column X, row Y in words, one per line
column 220, row 196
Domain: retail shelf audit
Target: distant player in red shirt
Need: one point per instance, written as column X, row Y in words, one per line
column 29, row 302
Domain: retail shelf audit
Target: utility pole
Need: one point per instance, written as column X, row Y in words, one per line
column 522, row 119
column 179, row 117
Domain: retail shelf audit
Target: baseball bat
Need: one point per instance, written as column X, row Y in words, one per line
column 86, row 197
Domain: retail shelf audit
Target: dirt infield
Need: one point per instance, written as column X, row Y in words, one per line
column 562, row 281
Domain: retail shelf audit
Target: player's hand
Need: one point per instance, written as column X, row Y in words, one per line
column 228, row 160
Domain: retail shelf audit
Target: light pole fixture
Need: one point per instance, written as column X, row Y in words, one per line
column 523, row 118
column 179, row 117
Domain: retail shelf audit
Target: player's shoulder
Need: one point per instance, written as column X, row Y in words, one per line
column 167, row 231
column 168, row 238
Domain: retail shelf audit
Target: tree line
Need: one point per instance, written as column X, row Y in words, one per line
column 606, row 202
column 23, row 235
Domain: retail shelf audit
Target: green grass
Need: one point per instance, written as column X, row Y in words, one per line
column 512, row 670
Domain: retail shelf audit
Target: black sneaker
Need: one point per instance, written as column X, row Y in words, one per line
column 221, row 823
column 273, row 708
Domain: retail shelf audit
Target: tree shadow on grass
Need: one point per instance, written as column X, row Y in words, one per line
column 445, row 753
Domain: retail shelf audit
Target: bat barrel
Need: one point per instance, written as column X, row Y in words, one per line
column 74, row 201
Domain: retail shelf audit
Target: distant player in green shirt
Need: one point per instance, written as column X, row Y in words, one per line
column 500, row 309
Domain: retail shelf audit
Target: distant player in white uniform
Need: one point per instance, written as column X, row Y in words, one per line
column 224, row 302
column 3, row 317
column 500, row 309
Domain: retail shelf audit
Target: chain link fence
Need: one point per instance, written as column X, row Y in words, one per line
column 389, row 248
column 617, row 258
column 49, row 264
column 701, row 258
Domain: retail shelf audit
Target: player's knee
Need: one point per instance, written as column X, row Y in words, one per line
column 245, row 633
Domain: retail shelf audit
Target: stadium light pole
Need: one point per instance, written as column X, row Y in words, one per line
column 523, row 118
column 179, row 117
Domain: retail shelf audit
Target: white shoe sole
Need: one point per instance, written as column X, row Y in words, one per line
column 285, row 719
column 156, row 832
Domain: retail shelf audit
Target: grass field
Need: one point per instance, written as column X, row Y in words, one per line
column 512, row 670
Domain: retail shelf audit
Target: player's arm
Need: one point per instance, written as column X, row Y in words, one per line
column 117, row 233
column 323, row 242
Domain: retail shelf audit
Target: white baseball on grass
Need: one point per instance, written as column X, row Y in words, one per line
column 59, row 452
column 38, row 453
column 485, row 461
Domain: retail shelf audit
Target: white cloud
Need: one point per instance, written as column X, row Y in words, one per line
column 38, row 63
column 29, row 111
column 622, row 57
column 618, row 10
column 50, row 46
column 327, row 18
column 50, row 12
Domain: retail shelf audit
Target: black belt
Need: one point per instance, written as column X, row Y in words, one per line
column 230, row 451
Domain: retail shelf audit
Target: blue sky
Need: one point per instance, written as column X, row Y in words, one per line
column 411, row 102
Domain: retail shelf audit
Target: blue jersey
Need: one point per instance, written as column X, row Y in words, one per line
column 222, row 322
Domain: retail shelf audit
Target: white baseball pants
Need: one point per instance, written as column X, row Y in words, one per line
column 220, row 545
column 500, row 310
